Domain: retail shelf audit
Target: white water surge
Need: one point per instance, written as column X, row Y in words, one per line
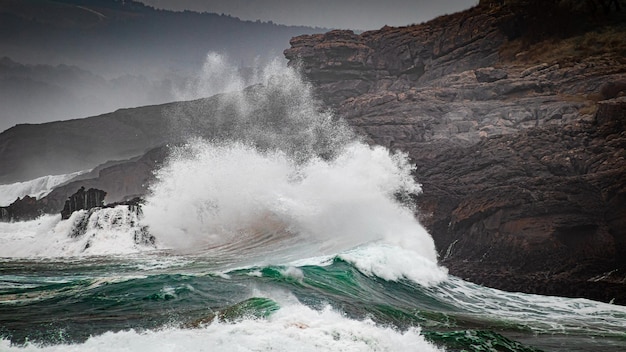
column 37, row 188
column 292, row 328
column 285, row 180
column 85, row 233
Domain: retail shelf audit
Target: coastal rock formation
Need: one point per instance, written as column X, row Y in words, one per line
column 345, row 65
column 83, row 200
column 26, row 208
column 75, row 145
column 520, row 153
column 520, row 149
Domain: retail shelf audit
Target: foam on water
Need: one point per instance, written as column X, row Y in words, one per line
column 291, row 328
column 85, row 233
column 393, row 263
column 278, row 178
column 37, row 188
column 542, row 314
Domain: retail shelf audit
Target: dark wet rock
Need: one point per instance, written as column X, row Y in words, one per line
column 123, row 214
column 83, row 200
column 22, row 209
column 122, row 180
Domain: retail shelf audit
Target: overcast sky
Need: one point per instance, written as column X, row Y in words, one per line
column 344, row 14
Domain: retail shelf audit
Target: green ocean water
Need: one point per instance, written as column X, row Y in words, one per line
column 48, row 303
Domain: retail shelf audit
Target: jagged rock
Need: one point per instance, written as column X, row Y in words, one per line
column 346, row 65
column 425, row 88
column 26, row 208
column 83, row 200
column 610, row 90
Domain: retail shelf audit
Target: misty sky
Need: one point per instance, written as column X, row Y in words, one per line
column 344, row 14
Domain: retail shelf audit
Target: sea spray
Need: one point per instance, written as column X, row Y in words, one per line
column 267, row 167
column 300, row 240
column 279, row 112
column 217, row 76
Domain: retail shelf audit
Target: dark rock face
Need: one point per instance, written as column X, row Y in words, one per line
column 522, row 164
column 23, row 209
column 83, row 200
column 490, row 74
column 548, row 203
column 459, row 94
column 346, row 65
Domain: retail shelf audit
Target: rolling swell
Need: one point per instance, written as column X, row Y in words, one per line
column 66, row 309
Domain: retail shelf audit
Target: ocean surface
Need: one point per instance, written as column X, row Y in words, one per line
column 285, row 233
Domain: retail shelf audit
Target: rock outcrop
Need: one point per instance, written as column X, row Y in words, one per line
column 346, row 65
column 83, row 200
column 23, row 209
column 521, row 157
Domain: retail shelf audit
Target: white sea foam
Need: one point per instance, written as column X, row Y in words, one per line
column 29, row 238
column 393, row 263
column 37, row 188
column 98, row 232
column 220, row 194
column 292, row 328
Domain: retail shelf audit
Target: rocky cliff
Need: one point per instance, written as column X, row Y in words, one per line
column 515, row 130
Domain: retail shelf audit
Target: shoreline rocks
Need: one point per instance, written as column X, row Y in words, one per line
column 22, row 209
column 83, row 200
